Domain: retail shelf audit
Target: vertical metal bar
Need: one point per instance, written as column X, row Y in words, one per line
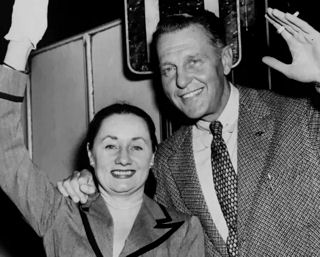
column 239, row 35
column 266, row 5
column 152, row 17
column 89, row 75
column 29, row 117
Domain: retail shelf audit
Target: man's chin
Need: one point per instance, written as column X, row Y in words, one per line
column 193, row 115
column 201, row 116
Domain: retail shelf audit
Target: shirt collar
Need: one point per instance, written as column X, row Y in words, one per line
column 228, row 118
column 229, row 115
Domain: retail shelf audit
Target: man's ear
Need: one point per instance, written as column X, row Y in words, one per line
column 90, row 156
column 226, row 58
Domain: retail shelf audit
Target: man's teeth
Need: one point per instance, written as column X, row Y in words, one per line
column 191, row 94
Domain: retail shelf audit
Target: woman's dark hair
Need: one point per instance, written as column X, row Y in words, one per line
column 119, row 108
column 211, row 24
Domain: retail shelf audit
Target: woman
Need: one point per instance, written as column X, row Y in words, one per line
column 121, row 142
column 119, row 220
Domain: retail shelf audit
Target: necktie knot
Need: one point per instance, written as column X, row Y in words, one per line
column 216, row 129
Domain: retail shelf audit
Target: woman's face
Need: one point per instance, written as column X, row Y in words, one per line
column 122, row 155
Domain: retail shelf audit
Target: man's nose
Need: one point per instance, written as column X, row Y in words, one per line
column 123, row 157
column 183, row 78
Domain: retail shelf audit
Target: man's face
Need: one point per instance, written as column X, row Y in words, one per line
column 193, row 72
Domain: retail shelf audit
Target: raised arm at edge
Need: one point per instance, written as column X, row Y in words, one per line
column 17, row 54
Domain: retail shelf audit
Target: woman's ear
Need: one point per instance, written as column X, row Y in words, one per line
column 90, row 156
column 227, row 58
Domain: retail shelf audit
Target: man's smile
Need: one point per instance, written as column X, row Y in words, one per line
column 192, row 93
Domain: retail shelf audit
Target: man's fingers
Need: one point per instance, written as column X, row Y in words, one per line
column 276, row 17
column 62, row 189
column 275, row 64
column 301, row 24
column 78, row 181
column 88, row 189
column 86, row 184
column 283, row 29
column 71, row 192
column 75, row 183
column 85, row 177
column 292, row 21
column 78, row 186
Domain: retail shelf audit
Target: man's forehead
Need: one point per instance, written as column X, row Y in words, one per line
column 187, row 42
column 190, row 32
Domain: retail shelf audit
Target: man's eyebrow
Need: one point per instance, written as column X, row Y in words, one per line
column 192, row 56
column 165, row 63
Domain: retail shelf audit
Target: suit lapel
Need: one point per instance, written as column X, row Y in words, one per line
column 255, row 132
column 152, row 227
column 101, row 223
column 182, row 166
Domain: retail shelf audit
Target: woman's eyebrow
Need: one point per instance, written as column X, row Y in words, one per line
column 139, row 138
column 109, row 136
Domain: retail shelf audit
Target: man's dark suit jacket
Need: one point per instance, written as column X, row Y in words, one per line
column 278, row 172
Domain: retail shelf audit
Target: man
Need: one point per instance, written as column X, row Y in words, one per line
column 255, row 189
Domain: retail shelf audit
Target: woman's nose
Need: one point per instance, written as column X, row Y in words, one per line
column 123, row 157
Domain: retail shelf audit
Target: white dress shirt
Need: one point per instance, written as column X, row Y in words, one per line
column 202, row 139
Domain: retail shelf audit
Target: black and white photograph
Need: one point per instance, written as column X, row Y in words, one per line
column 159, row 128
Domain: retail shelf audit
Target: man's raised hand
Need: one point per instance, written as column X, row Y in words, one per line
column 303, row 42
